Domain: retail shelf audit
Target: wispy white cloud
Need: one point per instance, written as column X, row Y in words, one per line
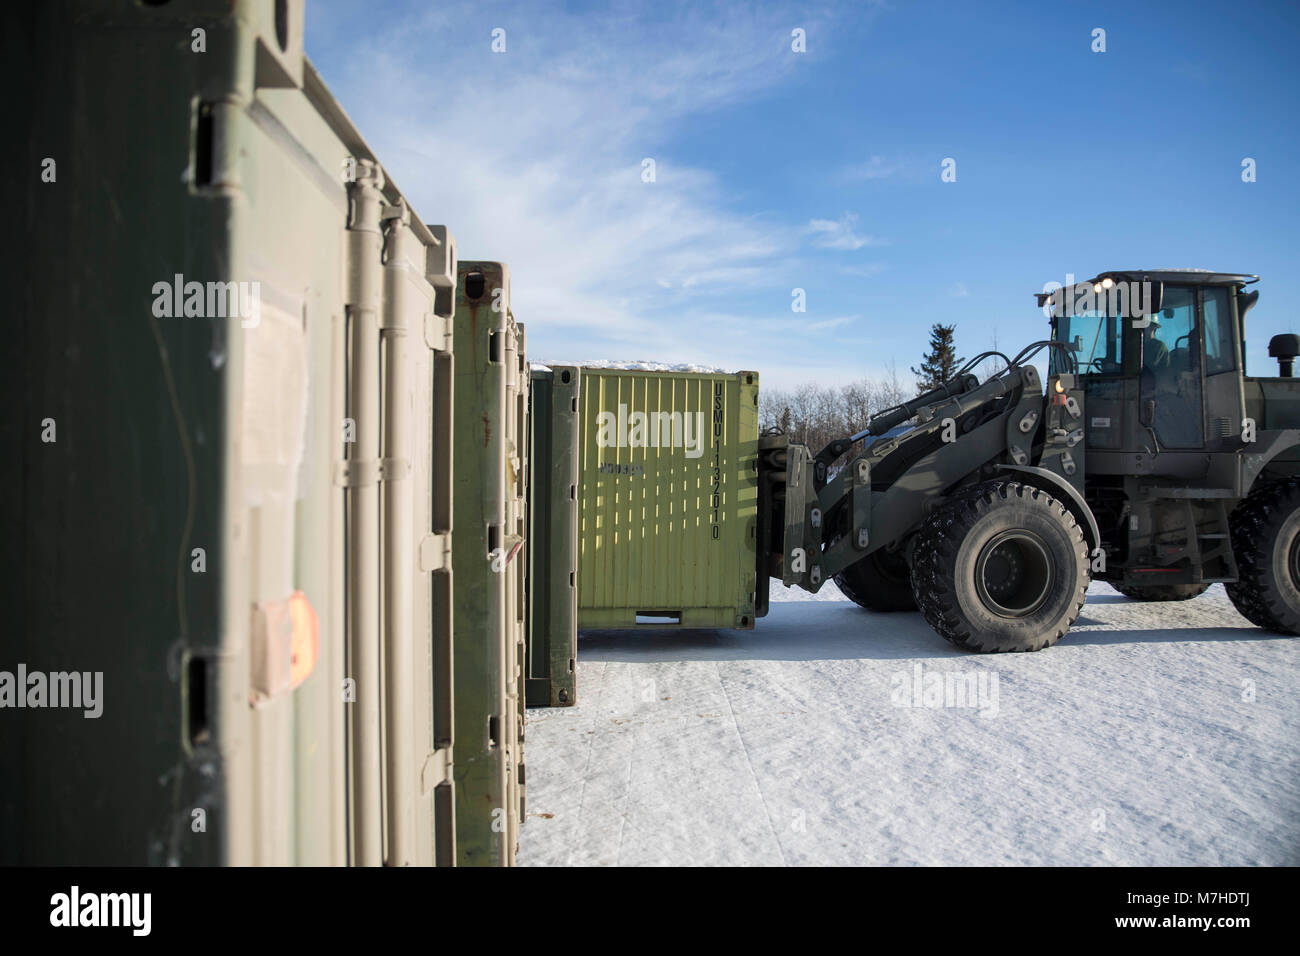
column 866, row 270
column 534, row 157
column 877, row 167
column 839, row 233
column 835, row 323
column 725, row 276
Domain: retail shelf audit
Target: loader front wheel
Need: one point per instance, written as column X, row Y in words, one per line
column 879, row 582
column 1266, row 543
column 1002, row 568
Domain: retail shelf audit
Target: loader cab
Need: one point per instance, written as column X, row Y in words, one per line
column 1160, row 360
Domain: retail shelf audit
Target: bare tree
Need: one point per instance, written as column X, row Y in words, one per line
column 815, row 415
column 991, row 365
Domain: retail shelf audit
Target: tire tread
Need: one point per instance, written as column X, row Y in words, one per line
column 936, row 551
column 1256, row 519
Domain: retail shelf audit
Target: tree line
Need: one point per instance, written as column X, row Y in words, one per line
column 813, row 414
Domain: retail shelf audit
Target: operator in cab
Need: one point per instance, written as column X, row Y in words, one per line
column 1155, row 354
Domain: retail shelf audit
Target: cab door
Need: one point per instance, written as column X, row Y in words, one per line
column 1224, row 398
column 1170, row 392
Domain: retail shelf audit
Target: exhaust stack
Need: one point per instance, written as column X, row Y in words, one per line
column 1284, row 348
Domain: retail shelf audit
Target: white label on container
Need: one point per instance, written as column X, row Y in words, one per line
column 273, row 411
column 1101, row 423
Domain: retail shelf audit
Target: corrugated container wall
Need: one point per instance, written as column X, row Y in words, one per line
column 668, row 490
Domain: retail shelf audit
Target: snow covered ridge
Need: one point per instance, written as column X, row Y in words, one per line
column 639, row 366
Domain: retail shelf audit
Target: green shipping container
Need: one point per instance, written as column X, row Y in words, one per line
column 490, row 491
column 553, row 538
column 667, row 499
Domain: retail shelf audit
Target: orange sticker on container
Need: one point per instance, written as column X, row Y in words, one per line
column 306, row 639
column 284, row 646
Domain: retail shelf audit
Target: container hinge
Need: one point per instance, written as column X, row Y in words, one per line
column 435, row 552
column 356, row 472
column 437, row 331
column 396, row 211
column 394, row 469
column 437, row 769
column 440, row 260
column 394, row 322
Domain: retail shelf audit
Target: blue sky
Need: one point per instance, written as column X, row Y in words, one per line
column 778, row 170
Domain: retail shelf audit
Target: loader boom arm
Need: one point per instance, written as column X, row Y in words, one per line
column 964, row 431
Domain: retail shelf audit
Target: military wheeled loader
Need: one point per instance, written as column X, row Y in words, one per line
column 1148, row 460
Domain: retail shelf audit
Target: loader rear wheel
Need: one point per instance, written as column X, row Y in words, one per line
column 1002, row 568
column 1160, row 592
column 881, row 581
column 1265, row 531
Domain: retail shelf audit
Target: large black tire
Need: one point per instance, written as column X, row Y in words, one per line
column 1002, row 568
column 1266, row 543
column 1160, row 592
column 879, row 582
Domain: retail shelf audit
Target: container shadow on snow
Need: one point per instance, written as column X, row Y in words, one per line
column 840, row 630
column 793, row 631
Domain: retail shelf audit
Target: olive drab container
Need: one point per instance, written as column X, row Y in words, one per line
column 551, row 679
column 667, row 499
column 266, row 468
column 490, row 518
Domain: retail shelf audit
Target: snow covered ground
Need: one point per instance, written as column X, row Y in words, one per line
column 1152, row 734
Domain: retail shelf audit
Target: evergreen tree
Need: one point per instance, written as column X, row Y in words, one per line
column 941, row 362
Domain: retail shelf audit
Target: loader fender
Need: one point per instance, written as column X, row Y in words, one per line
column 1269, row 445
column 1069, row 495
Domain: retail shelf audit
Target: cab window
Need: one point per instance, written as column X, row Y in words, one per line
column 1171, row 380
column 1099, row 339
column 1218, row 331
column 1169, row 343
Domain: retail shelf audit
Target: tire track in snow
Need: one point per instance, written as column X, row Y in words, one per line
column 750, row 764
